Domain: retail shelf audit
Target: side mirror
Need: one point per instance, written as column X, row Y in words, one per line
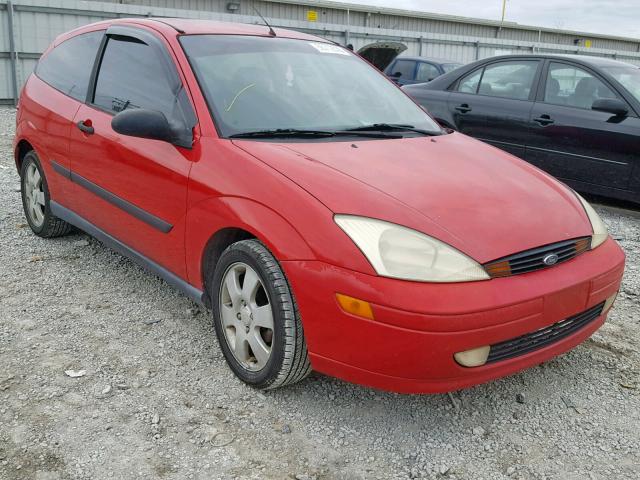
column 152, row 124
column 396, row 74
column 611, row 105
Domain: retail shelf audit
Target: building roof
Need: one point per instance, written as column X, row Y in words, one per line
column 331, row 4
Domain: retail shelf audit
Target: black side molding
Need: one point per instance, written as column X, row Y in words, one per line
column 121, row 203
column 76, row 220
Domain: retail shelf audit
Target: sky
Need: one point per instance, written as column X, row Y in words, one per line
column 609, row 17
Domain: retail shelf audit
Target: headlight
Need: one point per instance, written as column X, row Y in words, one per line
column 399, row 252
column 600, row 232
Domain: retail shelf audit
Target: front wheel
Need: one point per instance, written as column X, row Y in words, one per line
column 256, row 317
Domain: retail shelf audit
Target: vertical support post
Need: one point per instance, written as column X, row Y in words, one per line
column 421, row 50
column 478, row 50
column 13, row 55
column 347, row 33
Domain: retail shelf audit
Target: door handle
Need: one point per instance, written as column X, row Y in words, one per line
column 85, row 126
column 543, row 120
column 464, row 108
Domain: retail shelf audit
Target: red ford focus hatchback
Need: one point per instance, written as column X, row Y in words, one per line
column 327, row 221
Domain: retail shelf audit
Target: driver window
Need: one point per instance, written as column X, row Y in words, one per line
column 574, row 87
column 131, row 76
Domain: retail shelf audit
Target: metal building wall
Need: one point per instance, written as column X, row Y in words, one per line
column 37, row 22
column 394, row 19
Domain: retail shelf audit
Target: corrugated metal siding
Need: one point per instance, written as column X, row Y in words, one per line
column 374, row 19
column 38, row 22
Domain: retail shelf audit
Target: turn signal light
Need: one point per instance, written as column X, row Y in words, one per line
column 354, row 306
column 473, row 358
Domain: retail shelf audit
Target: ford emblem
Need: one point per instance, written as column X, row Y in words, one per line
column 551, row 259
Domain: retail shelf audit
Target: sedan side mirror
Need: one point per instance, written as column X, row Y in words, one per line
column 611, row 105
column 143, row 123
column 396, row 74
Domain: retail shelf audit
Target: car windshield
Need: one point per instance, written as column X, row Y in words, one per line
column 255, row 84
column 447, row 67
column 629, row 77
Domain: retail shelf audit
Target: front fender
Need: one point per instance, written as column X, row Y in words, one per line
column 206, row 218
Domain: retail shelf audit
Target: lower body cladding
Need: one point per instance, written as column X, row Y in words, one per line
column 416, row 331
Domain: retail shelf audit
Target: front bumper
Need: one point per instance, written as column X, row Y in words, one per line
column 418, row 327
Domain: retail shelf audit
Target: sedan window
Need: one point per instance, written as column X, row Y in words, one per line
column 426, row 72
column 469, row 84
column 629, row 77
column 509, row 79
column 405, row 68
column 574, row 87
column 447, row 67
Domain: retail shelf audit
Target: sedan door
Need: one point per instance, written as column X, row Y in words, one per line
column 588, row 148
column 493, row 103
column 134, row 189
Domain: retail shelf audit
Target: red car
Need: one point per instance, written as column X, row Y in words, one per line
column 327, row 221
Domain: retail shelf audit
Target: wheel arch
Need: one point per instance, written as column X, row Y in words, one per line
column 232, row 219
column 22, row 148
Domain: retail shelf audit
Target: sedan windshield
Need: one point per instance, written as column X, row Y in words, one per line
column 265, row 84
column 629, row 77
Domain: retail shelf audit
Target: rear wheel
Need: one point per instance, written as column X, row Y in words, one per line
column 256, row 317
column 36, row 200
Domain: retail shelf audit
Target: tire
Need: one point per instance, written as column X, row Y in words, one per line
column 33, row 185
column 240, row 317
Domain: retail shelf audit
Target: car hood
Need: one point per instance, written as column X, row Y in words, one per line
column 477, row 198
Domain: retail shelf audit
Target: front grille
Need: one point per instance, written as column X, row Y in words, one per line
column 543, row 337
column 534, row 259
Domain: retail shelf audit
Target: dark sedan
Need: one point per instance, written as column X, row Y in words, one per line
column 574, row 116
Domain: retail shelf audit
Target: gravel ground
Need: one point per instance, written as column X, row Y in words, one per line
column 158, row 401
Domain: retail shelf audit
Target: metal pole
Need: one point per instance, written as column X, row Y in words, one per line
column 347, row 36
column 13, row 55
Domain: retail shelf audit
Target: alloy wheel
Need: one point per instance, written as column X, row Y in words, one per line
column 246, row 316
column 34, row 193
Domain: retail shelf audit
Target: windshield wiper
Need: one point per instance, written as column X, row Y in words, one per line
column 283, row 132
column 297, row 133
column 391, row 127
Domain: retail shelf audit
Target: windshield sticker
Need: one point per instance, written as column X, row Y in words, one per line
column 328, row 48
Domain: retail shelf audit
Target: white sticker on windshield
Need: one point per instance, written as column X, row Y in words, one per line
column 328, row 48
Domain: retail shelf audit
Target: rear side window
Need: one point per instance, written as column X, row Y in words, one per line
column 68, row 66
column 426, row 72
column 469, row 83
column 509, row 79
column 133, row 75
column 405, row 68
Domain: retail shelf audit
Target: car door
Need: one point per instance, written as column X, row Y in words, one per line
column 134, row 189
column 403, row 71
column 575, row 143
column 493, row 102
